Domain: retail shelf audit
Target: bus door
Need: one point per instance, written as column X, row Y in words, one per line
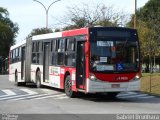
column 46, row 62
column 80, row 65
column 22, row 62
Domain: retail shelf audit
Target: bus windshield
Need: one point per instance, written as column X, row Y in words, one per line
column 114, row 55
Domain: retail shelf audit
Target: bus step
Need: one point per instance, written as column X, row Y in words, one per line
column 81, row 90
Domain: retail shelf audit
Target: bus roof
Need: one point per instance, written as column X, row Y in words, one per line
column 47, row 36
column 18, row 44
column 75, row 32
column 67, row 33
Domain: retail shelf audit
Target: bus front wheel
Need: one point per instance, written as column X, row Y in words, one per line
column 68, row 87
column 38, row 79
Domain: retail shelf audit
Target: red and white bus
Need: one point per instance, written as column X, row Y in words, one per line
column 89, row 60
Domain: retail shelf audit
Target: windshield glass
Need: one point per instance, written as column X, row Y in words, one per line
column 117, row 55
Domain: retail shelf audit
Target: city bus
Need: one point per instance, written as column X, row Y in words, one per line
column 88, row 60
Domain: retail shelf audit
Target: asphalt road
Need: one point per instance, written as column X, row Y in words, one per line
column 30, row 100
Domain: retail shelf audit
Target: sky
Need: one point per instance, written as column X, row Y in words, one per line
column 29, row 14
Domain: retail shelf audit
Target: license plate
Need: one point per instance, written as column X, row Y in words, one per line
column 115, row 85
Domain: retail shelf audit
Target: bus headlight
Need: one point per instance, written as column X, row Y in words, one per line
column 136, row 78
column 92, row 77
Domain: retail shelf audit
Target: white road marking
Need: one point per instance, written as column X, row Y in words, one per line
column 28, row 97
column 65, row 97
column 48, row 90
column 60, row 95
column 2, row 96
column 30, row 92
column 10, row 97
column 9, row 92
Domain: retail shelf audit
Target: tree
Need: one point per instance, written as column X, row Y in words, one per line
column 39, row 31
column 150, row 14
column 8, row 32
column 148, row 26
column 78, row 17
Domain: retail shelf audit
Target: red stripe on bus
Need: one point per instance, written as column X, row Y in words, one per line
column 115, row 77
column 75, row 32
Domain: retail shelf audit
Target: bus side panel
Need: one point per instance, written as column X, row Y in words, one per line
column 33, row 72
column 72, row 72
column 18, row 66
column 54, row 77
column 73, row 78
column 57, row 76
column 11, row 72
column 15, row 67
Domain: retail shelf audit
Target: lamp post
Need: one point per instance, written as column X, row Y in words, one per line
column 46, row 10
column 135, row 14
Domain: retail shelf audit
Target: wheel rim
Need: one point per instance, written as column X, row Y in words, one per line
column 38, row 83
column 16, row 78
column 68, row 86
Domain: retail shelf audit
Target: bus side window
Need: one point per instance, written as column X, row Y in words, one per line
column 42, row 46
column 54, row 52
column 33, row 46
column 53, row 45
column 20, row 55
column 13, row 55
column 61, row 50
column 70, row 53
column 37, row 46
column 10, row 56
column 37, row 51
column 34, row 52
column 71, row 44
column 40, row 53
column 34, row 57
column 61, row 47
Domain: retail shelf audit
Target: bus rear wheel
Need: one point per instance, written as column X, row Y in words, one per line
column 68, row 87
column 38, row 80
column 16, row 79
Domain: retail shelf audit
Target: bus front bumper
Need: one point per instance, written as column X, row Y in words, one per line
column 94, row 86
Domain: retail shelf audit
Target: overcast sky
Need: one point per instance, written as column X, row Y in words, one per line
column 29, row 14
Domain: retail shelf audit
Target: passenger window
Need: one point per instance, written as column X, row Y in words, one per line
column 53, row 45
column 70, row 52
column 70, row 45
column 61, row 45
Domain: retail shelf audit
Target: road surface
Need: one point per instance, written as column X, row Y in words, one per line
column 30, row 100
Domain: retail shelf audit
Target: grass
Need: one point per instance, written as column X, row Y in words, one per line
column 150, row 83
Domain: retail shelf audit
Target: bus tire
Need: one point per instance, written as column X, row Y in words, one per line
column 38, row 80
column 16, row 79
column 68, row 87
